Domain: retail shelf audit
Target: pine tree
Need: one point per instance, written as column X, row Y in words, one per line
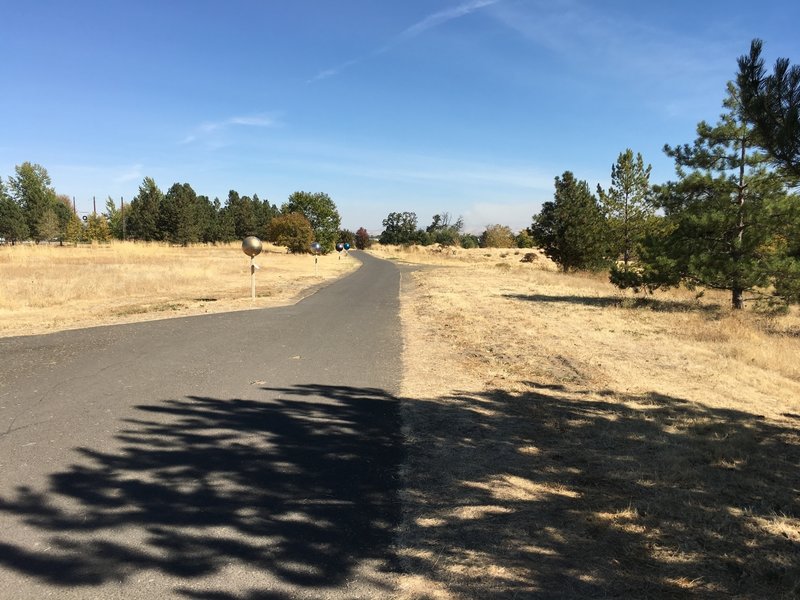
column 726, row 215
column 74, row 231
column 177, row 215
column 144, row 210
column 97, row 229
column 13, row 226
column 629, row 211
column 571, row 229
column 771, row 103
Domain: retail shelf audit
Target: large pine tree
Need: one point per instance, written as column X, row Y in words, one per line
column 727, row 214
column 144, row 212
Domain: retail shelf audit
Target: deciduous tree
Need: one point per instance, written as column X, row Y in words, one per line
column 497, row 236
column 32, row 189
column 320, row 211
column 399, row 228
column 443, row 230
column 362, row 239
column 291, row 230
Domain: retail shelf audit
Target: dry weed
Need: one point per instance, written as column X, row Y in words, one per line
column 48, row 288
column 566, row 440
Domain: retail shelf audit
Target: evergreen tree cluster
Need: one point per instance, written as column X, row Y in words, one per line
column 731, row 219
column 31, row 209
column 180, row 216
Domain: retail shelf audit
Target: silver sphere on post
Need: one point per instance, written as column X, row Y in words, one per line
column 251, row 246
column 316, row 247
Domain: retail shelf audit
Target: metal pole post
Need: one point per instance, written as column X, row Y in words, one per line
column 252, row 279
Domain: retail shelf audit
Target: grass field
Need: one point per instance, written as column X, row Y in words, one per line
column 49, row 288
column 567, row 440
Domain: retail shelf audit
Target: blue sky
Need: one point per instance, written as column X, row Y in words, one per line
column 465, row 106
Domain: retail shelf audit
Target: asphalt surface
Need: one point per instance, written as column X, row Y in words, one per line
column 249, row 455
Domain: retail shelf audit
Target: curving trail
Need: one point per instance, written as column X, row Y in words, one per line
column 238, row 456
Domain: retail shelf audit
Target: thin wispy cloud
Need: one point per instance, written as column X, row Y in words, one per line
column 623, row 47
column 209, row 127
column 429, row 22
column 443, row 16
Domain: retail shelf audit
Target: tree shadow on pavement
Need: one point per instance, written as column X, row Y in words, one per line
column 559, row 493
column 301, row 487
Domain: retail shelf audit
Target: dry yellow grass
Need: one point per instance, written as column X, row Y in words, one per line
column 568, row 441
column 49, row 288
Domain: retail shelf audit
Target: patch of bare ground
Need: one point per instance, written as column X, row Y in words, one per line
column 567, row 441
column 51, row 288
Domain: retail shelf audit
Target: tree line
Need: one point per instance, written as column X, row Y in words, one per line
column 30, row 209
column 729, row 221
column 402, row 228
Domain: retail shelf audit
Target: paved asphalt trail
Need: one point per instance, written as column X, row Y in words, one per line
column 239, row 456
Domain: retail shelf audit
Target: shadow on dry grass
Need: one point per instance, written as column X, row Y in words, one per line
column 545, row 494
column 653, row 304
column 569, row 494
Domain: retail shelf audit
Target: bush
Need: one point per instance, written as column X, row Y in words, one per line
column 291, row 230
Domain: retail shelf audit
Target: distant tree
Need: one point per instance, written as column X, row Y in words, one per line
column 63, row 209
column 241, row 212
column 114, row 218
column 771, row 104
column 144, row 212
column 627, row 204
column 399, row 228
column 629, row 211
column 97, row 229
column 13, row 226
column 524, row 239
column 469, row 240
column 47, row 226
column 497, row 236
column 32, row 190
column 74, row 231
column 265, row 212
column 571, row 229
column 363, row 240
column 320, row 211
column 443, row 230
column 728, row 216
column 347, row 237
column 208, row 220
column 293, row 231
column 177, row 215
